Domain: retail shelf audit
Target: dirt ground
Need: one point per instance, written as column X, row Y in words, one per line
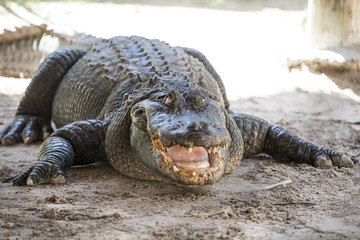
column 98, row 203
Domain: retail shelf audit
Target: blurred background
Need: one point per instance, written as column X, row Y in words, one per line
column 249, row 42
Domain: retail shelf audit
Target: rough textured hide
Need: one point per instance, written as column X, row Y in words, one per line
column 142, row 105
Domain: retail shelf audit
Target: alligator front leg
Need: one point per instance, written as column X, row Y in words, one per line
column 77, row 143
column 33, row 114
column 261, row 137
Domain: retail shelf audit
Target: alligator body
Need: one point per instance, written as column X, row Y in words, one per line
column 153, row 111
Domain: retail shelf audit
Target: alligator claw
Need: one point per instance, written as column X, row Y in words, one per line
column 26, row 128
column 36, row 175
column 323, row 161
column 18, row 180
column 327, row 158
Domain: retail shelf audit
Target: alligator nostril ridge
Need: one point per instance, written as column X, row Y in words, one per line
column 139, row 118
column 138, row 113
column 196, row 127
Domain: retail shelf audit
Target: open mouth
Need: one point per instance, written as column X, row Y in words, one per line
column 195, row 157
column 192, row 157
column 192, row 165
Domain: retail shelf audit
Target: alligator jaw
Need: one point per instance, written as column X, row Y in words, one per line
column 194, row 165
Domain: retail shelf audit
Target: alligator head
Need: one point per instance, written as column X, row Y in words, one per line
column 177, row 137
column 181, row 136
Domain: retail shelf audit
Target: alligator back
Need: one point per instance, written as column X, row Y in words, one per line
column 117, row 71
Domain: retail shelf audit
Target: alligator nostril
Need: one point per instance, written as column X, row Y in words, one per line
column 196, row 127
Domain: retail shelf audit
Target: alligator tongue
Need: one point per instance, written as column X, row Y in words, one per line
column 196, row 157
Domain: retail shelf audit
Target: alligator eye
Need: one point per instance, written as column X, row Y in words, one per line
column 169, row 99
column 159, row 97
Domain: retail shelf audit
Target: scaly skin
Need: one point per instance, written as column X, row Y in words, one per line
column 153, row 111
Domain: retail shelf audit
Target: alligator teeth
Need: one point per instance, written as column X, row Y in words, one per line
column 214, row 150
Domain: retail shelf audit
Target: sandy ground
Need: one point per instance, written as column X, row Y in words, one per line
column 248, row 48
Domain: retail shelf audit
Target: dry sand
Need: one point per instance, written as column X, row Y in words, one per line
column 248, row 48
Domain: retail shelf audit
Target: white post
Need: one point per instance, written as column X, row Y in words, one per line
column 333, row 23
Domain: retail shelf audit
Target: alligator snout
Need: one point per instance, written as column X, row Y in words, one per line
column 189, row 131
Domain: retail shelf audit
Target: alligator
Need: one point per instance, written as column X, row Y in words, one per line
column 153, row 111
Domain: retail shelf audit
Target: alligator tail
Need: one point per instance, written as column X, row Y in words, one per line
column 23, row 50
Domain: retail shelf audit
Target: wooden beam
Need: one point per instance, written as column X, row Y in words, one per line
column 333, row 23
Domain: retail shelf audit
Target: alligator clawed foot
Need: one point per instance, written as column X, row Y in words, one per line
column 26, row 128
column 328, row 158
column 18, row 180
column 40, row 173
